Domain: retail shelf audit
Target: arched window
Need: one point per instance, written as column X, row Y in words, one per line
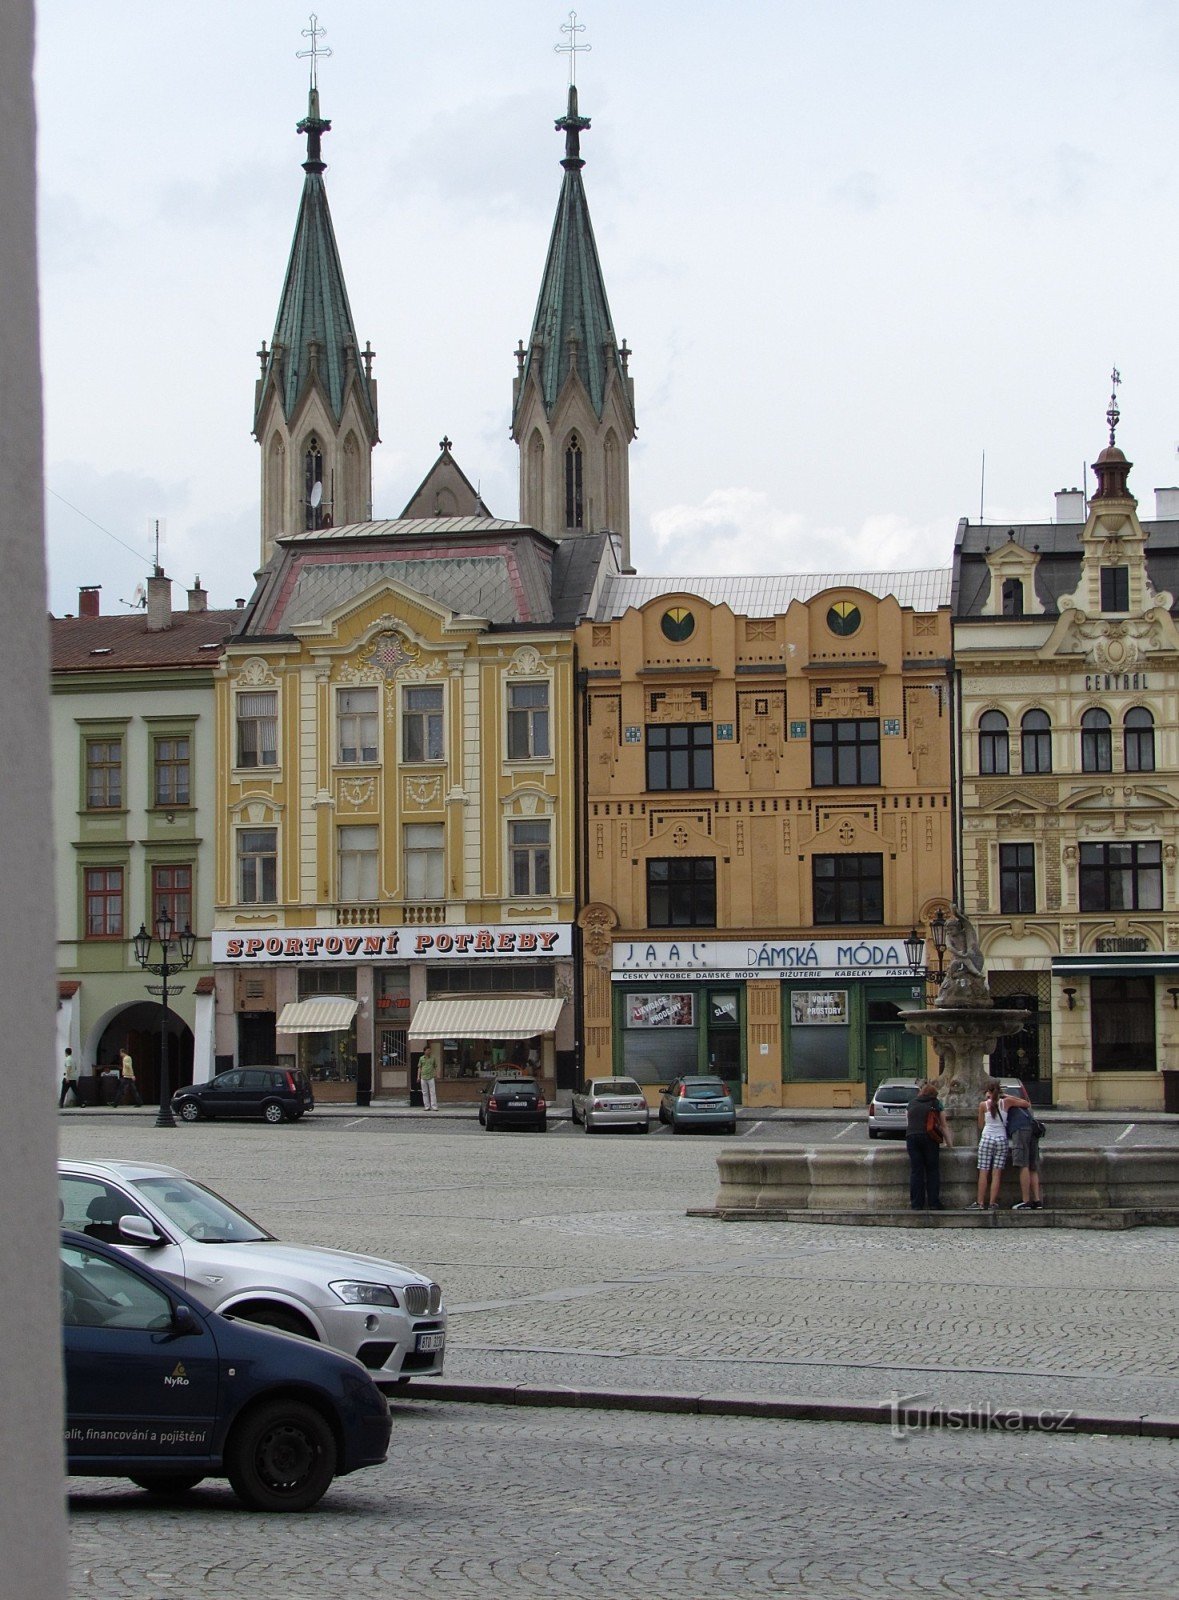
column 1096, row 742
column 574, row 503
column 1139, row 733
column 275, row 486
column 992, row 743
column 354, row 508
column 534, row 511
column 313, row 491
column 1035, row 732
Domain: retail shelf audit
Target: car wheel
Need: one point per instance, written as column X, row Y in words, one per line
column 543, row 1125
column 281, row 1457
column 645, row 1127
column 676, row 1127
column 873, row 1134
column 574, row 1118
column 663, row 1116
column 190, row 1111
column 732, row 1128
column 265, row 1315
column 488, row 1125
column 273, row 1112
column 167, row 1485
column 587, row 1124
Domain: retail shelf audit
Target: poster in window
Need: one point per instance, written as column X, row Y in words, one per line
column 723, row 1007
column 818, row 1007
column 660, row 1011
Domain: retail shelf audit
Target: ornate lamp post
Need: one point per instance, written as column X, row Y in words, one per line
column 168, row 964
column 915, row 948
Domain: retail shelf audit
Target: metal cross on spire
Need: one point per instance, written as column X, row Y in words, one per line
column 1113, row 416
column 572, row 28
column 314, row 33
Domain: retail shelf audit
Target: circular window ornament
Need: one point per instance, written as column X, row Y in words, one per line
column 844, row 618
column 678, row 624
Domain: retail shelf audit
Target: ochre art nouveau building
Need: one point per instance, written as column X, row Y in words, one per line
column 766, row 785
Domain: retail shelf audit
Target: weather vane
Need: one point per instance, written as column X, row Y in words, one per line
column 1113, row 416
column 313, row 33
column 572, row 28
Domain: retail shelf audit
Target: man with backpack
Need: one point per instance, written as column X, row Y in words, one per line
column 1025, row 1148
column 925, row 1133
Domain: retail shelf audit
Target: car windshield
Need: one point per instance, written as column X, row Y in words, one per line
column 707, row 1089
column 616, row 1086
column 895, row 1094
column 204, row 1216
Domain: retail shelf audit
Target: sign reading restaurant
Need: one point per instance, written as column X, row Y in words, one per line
column 390, row 944
column 730, row 959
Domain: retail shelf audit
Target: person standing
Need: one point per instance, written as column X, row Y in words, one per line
column 427, row 1075
column 69, row 1079
column 1025, row 1150
column 128, row 1088
column 992, row 1148
column 925, row 1133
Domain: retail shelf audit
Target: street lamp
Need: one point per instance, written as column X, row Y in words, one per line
column 168, row 940
column 915, row 947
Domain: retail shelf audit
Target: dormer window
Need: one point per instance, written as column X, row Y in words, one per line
column 574, row 503
column 1013, row 597
column 313, row 509
column 1115, row 588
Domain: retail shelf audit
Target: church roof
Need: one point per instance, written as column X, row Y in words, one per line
column 760, row 595
column 572, row 321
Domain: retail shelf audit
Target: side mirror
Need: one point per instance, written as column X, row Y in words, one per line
column 138, row 1230
column 184, row 1321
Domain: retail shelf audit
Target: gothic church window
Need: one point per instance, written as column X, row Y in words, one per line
column 574, row 490
column 313, row 507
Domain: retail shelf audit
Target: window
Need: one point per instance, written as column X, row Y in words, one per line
column 1017, row 878
column 574, row 505
column 170, row 757
column 1115, row 588
column 1121, row 877
column 992, row 744
column 528, row 847
column 257, row 855
column 681, row 892
column 356, row 865
column 104, row 902
column 171, row 888
column 848, row 888
column 1035, row 735
column 845, row 752
column 528, row 720
column 1122, row 1013
column 257, row 726
column 104, row 774
column 679, row 755
column 1013, row 597
column 425, row 874
column 313, row 508
column 1139, row 736
column 421, row 723
column 356, row 721
column 1096, row 742
column 97, row 1292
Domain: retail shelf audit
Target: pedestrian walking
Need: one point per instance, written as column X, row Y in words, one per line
column 925, row 1134
column 427, row 1074
column 128, row 1088
column 1025, row 1150
column 69, row 1079
column 992, row 1148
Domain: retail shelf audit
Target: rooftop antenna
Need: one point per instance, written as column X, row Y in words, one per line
column 982, row 486
column 572, row 28
column 314, row 33
column 159, row 534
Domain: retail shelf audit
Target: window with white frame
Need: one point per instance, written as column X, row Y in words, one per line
column 528, row 720
column 421, row 722
column 356, row 724
column 257, row 866
column 425, row 861
column 356, row 861
column 528, row 850
column 257, row 728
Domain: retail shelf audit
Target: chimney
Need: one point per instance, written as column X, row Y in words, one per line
column 159, row 602
column 1166, row 504
column 240, row 603
column 198, row 599
column 1070, row 505
column 88, row 600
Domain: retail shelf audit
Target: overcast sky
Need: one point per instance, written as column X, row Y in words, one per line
column 852, row 246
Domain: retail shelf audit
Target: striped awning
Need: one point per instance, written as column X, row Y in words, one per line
column 326, row 1014
column 517, row 1018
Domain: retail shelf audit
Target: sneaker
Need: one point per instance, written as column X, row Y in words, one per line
column 1022, row 1205
column 974, row 1206
column 991, row 1208
column 1036, row 1205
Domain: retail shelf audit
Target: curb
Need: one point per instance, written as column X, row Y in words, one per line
column 1110, row 1219
column 904, row 1414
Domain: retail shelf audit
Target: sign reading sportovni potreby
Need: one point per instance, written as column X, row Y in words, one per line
column 483, row 944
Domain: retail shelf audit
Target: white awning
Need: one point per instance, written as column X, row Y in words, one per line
column 485, row 1019
column 327, row 1014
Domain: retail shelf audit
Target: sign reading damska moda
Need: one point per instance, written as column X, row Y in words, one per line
column 730, row 959
column 493, row 943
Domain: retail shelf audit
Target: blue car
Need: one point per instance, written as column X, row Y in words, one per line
column 165, row 1392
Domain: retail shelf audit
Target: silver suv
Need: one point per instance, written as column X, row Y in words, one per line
column 387, row 1316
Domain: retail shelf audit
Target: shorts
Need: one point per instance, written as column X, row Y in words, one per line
column 1025, row 1149
column 992, row 1152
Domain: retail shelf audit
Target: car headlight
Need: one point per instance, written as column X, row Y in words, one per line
column 364, row 1294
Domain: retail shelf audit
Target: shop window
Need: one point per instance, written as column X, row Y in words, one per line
column 679, row 755
column 171, row 891
column 104, row 902
column 1121, row 877
column 1017, row 878
column 660, row 1035
column 357, row 862
column 171, row 770
column 257, row 728
column 314, row 981
column 523, row 978
column 257, row 866
column 993, row 753
column 528, row 853
column 421, row 722
column 1122, row 1024
column 848, row 889
column 528, row 720
column 1138, row 729
column 681, row 892
column 1096, row 742
column 1035, row 737
column 104, row 774
column 425, row 866
column 845, row 752
column 356, row 725
column 1115, row 588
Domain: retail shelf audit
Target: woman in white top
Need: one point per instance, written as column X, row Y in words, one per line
column 992, row 1147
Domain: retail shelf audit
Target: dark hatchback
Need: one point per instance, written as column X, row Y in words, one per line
column 276, row 1094
column 161, row 1390
column 514, row 1103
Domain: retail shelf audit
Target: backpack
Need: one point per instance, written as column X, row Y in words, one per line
column 1017, row 1117
column 933, row 1126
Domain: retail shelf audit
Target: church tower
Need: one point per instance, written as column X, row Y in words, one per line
column 573, row 399
column 315, row 402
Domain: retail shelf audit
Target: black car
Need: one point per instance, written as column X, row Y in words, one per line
column 513, row 1103
column 276, row 1094
column 163, row 1391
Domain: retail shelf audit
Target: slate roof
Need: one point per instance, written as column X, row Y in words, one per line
column 1058, row 569
column 111, row 644
column 766, row 596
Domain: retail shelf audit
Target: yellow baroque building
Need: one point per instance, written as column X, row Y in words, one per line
column 766, row 814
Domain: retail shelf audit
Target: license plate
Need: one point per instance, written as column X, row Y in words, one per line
column 517, row 1105
column 431, row 1341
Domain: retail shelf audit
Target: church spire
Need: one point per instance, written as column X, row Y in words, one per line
column 315, row 404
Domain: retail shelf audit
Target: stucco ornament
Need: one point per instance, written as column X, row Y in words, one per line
column 388, row 652
column 254, row 672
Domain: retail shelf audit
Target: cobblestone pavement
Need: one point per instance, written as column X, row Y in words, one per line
column 570, row 1260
